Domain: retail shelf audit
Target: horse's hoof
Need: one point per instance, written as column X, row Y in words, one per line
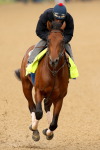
column 44, row 131
column 36, row 135
column 47, row 137
column 30, row 127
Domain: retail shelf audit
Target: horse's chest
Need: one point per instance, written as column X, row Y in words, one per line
column 53, row 86
column 56, row 90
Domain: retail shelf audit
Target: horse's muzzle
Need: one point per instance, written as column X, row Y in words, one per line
column 54, row 62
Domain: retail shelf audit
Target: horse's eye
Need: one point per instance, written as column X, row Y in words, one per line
column 62, row 43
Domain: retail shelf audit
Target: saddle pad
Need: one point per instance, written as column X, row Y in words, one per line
column 31, row 68
column 73, row 69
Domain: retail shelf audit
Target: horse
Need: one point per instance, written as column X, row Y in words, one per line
column 51, row 82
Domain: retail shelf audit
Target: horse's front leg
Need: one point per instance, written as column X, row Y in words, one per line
column 34, row 127
column 47, row 106
column 27, row 89
column 53, row 125
column 36, row 116
column 38, row 99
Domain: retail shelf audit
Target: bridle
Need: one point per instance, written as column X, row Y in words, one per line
column 62, row 54
column 54, row 72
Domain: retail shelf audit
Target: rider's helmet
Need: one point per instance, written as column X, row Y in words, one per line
column 59, row 11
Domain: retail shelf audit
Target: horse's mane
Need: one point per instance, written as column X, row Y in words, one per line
column 56, row 25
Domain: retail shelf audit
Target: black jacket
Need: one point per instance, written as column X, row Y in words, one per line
column 42, row 31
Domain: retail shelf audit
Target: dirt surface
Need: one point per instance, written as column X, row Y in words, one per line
column 79, row 121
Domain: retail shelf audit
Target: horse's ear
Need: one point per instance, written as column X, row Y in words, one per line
column 63, row 25
column 49, row 25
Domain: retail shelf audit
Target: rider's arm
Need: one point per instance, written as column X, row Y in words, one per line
column 68, row 32
column 41, row 29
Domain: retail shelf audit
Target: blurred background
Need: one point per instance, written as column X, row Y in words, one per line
column 57, row 1
column 79, row 121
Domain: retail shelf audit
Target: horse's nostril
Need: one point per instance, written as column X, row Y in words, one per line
column 57, row 60
column 54, row 62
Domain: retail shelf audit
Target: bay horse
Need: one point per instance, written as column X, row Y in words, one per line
column 51, row 82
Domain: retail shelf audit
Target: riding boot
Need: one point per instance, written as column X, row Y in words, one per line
column 69, row 50
column 37, row 49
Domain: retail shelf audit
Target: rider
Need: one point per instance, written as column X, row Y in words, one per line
column 58, row 13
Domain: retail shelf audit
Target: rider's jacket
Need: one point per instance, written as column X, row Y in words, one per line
column 42, row 31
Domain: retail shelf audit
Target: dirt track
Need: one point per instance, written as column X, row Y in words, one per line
column 79, row 121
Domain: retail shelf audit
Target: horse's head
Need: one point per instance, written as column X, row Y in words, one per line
column 56, row 44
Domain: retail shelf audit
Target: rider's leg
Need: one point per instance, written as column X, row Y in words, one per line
column 69, row 50
column 37, row 49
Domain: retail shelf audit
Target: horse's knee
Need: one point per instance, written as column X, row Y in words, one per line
column 39, row 114
column 53, row 126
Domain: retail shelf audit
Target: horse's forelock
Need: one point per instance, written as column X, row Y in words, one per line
column 56, row 25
